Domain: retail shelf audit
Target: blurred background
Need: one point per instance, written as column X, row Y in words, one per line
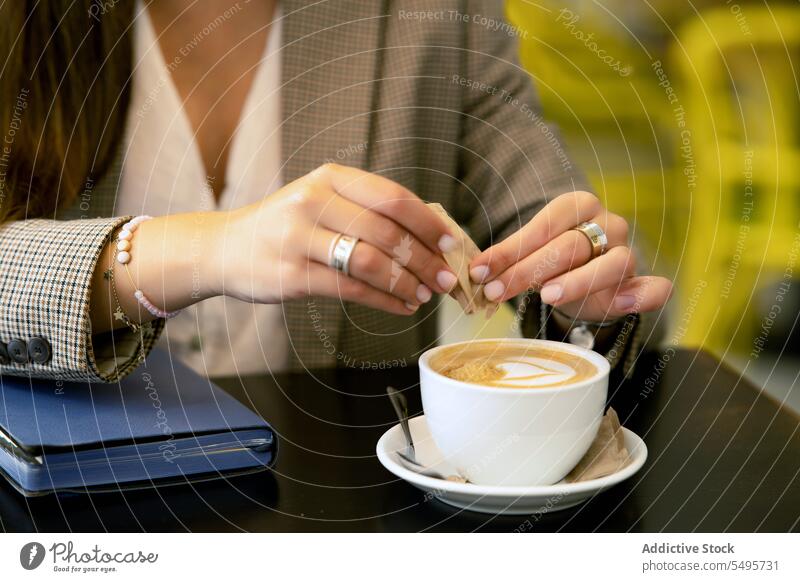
column 686, row 117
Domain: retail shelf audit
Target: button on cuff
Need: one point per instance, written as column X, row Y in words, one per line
column 39, row 350
column 18, row 350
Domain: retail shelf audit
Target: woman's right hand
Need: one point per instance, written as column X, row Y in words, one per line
column 277, row 248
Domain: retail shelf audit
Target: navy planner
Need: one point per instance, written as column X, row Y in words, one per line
column 163, row 423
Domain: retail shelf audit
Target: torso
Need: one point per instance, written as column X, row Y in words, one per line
column 219, row 44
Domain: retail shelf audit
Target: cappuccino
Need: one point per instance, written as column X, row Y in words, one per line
column 512, row 365
column 513, row 411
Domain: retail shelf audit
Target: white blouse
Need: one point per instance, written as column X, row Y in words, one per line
column 163, row 173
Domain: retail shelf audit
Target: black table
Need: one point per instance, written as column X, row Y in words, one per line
column 723, row 457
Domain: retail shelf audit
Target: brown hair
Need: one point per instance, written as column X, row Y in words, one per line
column 63, row 99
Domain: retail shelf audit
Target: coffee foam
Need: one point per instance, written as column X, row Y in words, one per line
column 512, row 366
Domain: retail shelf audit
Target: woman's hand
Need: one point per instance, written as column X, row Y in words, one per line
column 546, row 254
column 279, row 247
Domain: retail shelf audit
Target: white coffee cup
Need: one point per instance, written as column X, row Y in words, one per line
column 514, row 436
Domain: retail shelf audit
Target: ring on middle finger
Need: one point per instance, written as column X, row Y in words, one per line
column 596, row 235
column 341, row 251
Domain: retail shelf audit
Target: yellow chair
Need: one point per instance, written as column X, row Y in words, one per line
column 742, row 120
column 595, row 82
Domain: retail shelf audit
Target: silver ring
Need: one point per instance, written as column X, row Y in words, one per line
column 340, row 251
column 596, row 235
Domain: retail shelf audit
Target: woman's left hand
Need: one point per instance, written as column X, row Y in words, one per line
column 546, row 254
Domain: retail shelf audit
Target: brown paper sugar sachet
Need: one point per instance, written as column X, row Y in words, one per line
column 606, row 455
column 468, row 294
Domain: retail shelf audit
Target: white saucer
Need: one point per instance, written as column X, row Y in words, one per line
column 513, row 500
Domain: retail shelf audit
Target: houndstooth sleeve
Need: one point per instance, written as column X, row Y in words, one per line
column 46, row 269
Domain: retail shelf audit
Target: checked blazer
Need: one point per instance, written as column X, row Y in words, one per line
column 436, row 101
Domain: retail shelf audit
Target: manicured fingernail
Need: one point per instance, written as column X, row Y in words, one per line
column 494, row 290
column 551, row 293
column 411, row 307
column 424, row 294
column 447, row 243
column 446, row 280
column 624, row 302
column 479, row 273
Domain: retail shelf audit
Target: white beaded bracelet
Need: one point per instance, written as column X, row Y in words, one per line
column 124, row 245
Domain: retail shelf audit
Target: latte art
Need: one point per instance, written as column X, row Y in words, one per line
column 512, row 366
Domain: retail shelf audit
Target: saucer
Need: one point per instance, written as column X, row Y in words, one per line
column 512, row 500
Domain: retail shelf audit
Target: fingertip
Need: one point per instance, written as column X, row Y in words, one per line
column 424, row 294
column 670, row 289
column 446, row 280
column 447, row 243
column 494, row 290
column 479, row 273
column 551, row 293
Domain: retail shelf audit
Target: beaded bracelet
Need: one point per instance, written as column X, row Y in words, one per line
column 124, row 238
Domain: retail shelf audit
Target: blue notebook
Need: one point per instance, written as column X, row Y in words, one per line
column 163, row 423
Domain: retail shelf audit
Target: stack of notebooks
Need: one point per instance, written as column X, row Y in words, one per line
column 162, row 424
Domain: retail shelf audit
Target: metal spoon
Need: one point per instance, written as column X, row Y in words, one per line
column 409, row 458
column 400, row 405
column 427, row 472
